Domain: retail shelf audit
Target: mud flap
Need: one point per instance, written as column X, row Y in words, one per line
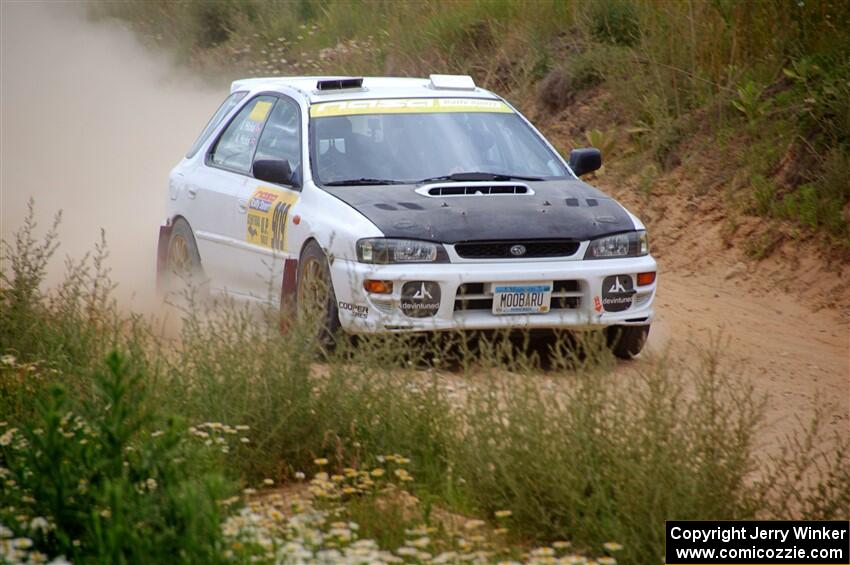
column 287, row 294
column 162, row 257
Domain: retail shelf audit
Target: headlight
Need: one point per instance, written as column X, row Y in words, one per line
column 631, row 244
column 384, row 251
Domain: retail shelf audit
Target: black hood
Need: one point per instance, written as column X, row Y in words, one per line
column 559, row 209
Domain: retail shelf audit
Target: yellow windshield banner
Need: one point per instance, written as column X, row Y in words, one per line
column 407, row 106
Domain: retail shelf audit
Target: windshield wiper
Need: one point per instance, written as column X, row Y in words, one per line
column 477, row 176
column 362, row 182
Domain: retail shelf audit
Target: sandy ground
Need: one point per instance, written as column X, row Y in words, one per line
column 92, row 122
column 797, row 356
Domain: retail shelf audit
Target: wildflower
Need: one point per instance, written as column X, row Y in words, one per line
column 6, row 438
column 244, row 440
column 242, row 428
column 543, row 552
column 268, row 482
column 424, row 541
column 22, row 543
column 321, row 461
column 8, row 359
column 249, row 491
column 157, row 433
column 151, row 483
column 377, row 472
column 299, row 476
column 473, row 524
column 612, row 546
column 502, row 513
column 500, row 531
column 106, row 513
column 39, row 523
column 606, row 561
column 5, row 532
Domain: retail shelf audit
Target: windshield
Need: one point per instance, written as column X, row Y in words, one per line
column 418, row 139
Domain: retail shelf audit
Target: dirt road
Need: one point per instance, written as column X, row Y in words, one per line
column 97, row 134
column 797, row 356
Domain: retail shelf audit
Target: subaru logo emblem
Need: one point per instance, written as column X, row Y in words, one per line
column 518, row 250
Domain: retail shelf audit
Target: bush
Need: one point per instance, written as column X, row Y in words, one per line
column 111, row 480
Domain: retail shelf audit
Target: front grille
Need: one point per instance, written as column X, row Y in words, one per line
column 502, row 249
column 566, row 295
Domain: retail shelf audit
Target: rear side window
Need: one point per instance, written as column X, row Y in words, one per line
column 222, row 111
column 236, row 146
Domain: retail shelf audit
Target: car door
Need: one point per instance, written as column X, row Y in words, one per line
column 217, row 184
column 265, row 209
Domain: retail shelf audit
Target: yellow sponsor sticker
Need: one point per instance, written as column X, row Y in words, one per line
column 268, row 214
column 260, row 111
column 407, row 106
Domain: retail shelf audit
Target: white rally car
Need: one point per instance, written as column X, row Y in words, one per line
column 418, row 204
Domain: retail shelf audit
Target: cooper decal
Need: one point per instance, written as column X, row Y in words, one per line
column 357, row 310
column 268, row 211
column 617, row 293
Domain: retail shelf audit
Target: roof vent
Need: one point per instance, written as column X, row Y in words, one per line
column 340, row 83
column 452, row 82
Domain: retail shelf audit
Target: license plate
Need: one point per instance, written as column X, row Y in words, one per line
column 526, row 298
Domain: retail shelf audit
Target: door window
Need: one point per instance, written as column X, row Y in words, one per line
column 236, row 146
column 281, row 138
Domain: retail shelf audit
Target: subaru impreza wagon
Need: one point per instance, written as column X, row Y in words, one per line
column 399, row 205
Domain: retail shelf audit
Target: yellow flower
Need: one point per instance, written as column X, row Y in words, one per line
column 337, row 478
column 561, row 544
column 378, row 472
column 320, row 461
column 502, row 513
column 606, row 561
column 612, row 546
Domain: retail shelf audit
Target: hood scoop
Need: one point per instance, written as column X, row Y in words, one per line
column 474, row 189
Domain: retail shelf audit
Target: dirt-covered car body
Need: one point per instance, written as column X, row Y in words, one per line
column 476, row 250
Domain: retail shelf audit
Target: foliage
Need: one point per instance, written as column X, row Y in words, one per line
column 94, row 448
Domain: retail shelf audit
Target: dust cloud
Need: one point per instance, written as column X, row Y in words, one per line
column 92, row 122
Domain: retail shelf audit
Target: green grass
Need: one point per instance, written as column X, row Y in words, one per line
column 129, row 446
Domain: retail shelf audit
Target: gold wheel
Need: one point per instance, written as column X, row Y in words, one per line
column 179, row 257
column 312, row 291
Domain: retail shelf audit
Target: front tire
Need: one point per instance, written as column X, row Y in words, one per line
column 316, row 300
column 627, row 341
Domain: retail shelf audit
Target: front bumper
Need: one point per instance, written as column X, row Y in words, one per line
column 363, row 312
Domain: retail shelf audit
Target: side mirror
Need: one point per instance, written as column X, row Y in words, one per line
column 583, row 161
column 273, row 170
